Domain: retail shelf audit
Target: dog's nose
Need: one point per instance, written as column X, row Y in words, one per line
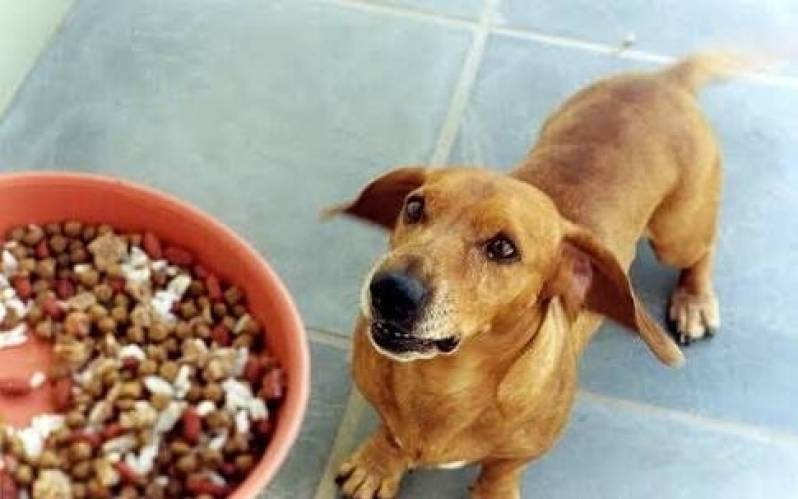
column 397, row 297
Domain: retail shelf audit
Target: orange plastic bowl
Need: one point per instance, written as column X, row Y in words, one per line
column 46, row 197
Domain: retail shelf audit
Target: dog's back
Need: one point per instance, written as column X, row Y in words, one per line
column 625, row 148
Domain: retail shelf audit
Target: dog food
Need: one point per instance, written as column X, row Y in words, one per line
column 161, row 379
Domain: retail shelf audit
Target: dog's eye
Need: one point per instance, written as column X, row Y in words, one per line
column 501, row 249
column 414, row 209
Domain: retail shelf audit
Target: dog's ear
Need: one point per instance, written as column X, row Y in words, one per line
column 589, row 276
column 381, row 200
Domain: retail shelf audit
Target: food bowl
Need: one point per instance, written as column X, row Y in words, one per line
column 48, row 197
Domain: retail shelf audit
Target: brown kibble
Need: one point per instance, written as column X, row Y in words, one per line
column 33, row 235
column 196, row 288
column 156, row 353
column 121, row 300
column 214, row 370
column 78, row 255
column 23, row 474
column 89, row 233
column 148, row 367
column 168, row 370
column 63, row 261
column 110, row 378
column 239, row 311
column 135, row 334
column 27, row 265
column 188, row 310
column 160, row 401
column 73, row 228
column 187, row 464
column 233, row 295
column 16, row 234
column 211, row 458
column 94, row 387
column 107, row 325
column 236, row 444
column 44, row 329
column 46, row 268
column 212, row 392
column 128, row 492
column 79, row 490
column 97, row 312
column 104, row 293
column 194, row 394
column 49, row 459
column 89, row 278
column 202, row 331
column 58, row 244
column 171, row 345
column 104, row 229
column 119, row 315
column 183, row 330
column 243, row 341
column 52, row 228
column 61, row 436
column 157, row 333
column 154, row 491
column 75, row 419
column 219, row 310
column 131, row 390
column 96, row 490
column 217, row 420
column 41, row 287
column 80, row 450
column 245, row 463
column 78, row 324
column 125, row 404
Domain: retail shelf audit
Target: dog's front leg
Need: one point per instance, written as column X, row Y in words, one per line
column 374, row 470
column 499, row 479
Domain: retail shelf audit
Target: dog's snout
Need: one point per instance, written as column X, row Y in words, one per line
column 397, row 297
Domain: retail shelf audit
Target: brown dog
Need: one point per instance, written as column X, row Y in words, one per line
column 473, row 323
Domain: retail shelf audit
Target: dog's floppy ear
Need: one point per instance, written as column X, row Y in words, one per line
column 589, row 276
column 381, row 200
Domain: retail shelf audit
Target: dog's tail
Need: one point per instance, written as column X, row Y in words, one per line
column 698, row 70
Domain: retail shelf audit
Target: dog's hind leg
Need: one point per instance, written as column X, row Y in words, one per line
column 499, row 479
column 682, row 231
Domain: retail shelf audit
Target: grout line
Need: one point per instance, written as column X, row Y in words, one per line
column 329, row 338
column 759, row 434
column 462, row 92
column 344, row 442
column 406, row 12
column 764, row 78
column 633, row 54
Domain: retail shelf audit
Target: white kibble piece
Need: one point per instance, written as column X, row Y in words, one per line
column 159, row 265
column 37, row 379
column 216, row 478
column 182, row 382
column 81, row 268
column 158, row 386
column 2, row 312
column 120, row 445
column 257, row 409
column 179, row 285
column 169, row 417
column 205, row 407
column 13, row 337
column 242, row 323
column 161, row 305
column 137, row 257
column 237, row 394
column 240, row 361
column 10, row 263
column 162, row 480
column 242, row 422
column 132, row 351
column 218, row 442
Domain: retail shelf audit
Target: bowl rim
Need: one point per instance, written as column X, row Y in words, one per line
column 298, row 395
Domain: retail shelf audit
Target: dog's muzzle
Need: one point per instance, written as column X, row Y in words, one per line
column 398, row 300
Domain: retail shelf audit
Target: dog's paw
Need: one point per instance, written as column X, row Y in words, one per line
column 367, row 476
column 693, row 316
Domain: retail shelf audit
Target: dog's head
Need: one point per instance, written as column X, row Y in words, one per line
column 471, row 250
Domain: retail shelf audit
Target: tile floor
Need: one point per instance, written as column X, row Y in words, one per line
column 263, row 112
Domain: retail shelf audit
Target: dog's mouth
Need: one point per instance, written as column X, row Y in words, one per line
column 396, row 340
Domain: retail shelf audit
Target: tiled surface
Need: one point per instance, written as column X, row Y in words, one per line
column 305, row 464
column 613, row 451
column 766, row 28
column 263, row 112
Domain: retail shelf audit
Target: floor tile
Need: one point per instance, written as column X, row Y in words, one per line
column 672, row 26
column 744, row 374
column 469, row 9
column 261, row 113
column 614, row 452
column 302, row 470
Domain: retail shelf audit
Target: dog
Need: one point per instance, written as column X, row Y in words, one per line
column 473, row 323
